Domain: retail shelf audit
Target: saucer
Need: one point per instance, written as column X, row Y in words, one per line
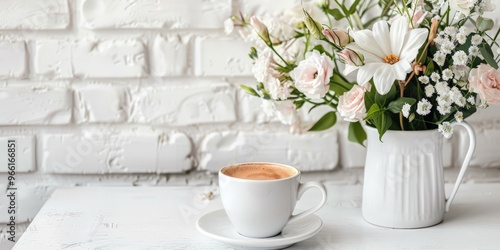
column 216, row 225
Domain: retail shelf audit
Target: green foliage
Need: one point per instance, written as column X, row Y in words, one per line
column 397, row 105
column 356, row 133
column 325, row 122
column 249, row 90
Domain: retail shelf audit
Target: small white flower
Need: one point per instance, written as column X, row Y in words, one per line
column 447, row 74
column 279, row 90
column 447, row 47
column 439, row 58
column 451, row 31
column 460, row 58
column 471, row 100
column 424, row 79
column 464, row 30
column 445, row 99
column 424, row 107
column 446, row 129
column 461, row 101
column 473, row 51
column 435, row 77
column 459, row 116
column 406, row 110
column 476, row 39
column 442, row 88
column 444, row 109
column 461, row 38
column 429, row 90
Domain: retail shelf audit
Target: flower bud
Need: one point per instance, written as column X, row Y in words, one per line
column 351, row 57
column 337, row 37
column 261, row 30
column 313, row 26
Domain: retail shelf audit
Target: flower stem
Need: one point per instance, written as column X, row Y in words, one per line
column 402, row 85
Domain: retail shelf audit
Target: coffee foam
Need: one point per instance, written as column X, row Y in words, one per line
column 257, row 171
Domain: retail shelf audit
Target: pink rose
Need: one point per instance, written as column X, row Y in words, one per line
column 485, row 81
column 352, row 104
column 312, row 75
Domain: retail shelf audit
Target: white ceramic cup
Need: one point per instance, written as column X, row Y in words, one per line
column 262, row 208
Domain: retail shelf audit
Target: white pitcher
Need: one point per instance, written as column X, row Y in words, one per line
column 403, row 182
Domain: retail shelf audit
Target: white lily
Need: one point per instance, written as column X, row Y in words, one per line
column 388, row 53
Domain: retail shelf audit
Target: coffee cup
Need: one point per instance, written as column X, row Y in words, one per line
column 259, row 197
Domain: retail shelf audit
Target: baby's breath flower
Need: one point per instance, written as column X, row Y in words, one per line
column 460, row 58
column 424, row 107
column 471, row 100
column 447, row 74
column 473, row 51
column 464, row 30
column 435, row 77
column 424, row 79
column 446, row 129
column 439, row 58
column 406, row 110
column 445, row 99
column 459, row 116
column 429, row 90
column 444, row 109
column 451, row 31
column 447, row 47
column 461, row 38
column 442, row 88
column 476, row 39
column 460, row 101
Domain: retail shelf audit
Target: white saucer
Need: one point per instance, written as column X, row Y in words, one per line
column 216, row 225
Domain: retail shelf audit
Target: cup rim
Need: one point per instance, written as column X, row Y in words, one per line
column 297, row 172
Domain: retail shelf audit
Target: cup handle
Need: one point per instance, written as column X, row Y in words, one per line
column 303, row 187
column 465, row 164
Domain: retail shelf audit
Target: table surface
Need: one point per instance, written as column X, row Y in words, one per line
column 164, row 218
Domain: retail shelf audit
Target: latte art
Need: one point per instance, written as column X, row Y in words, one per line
column 259, row 172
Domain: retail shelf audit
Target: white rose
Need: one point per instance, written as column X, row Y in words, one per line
column 312, row 75
column 279, row 90
column 263, row 67
column 462, row 6
column 352, row 104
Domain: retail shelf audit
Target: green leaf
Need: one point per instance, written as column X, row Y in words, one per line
column 339, row 85
column 430, row 68
column 325, row 122
column 356, row 133
column 381, row 100
column 336, row 14
column 396, row 105
column 373, row 112
column 320, row 49
column 249, row 90
column 298, row 104
column 487, row 56
column 382, row 123
column 484, row 24
column 352, row 9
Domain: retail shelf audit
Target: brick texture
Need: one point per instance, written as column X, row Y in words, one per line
column 115, row 92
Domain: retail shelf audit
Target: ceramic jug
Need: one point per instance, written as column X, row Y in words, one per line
column 403, row 181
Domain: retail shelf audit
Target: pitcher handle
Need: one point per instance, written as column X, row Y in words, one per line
column 468, row 156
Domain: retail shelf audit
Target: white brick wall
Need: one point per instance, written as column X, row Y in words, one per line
column 145, row 91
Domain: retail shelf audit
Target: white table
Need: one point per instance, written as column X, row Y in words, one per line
column 164, row 218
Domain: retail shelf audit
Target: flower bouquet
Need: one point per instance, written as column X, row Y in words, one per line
column 395, row 65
